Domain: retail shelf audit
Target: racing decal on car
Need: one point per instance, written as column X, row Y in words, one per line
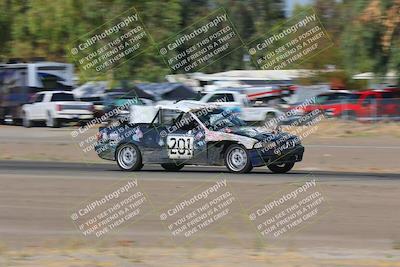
column 199, row 141
column 137, row 135
column 219, row 136
column 180, row 146
column 161, row 142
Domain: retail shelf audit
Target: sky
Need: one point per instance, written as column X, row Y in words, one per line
column 291, row 3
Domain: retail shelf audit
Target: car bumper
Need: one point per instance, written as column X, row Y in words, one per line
column 105, row 151
column 74, row 117
column 261, row 157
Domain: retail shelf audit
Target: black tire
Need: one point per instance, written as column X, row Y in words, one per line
column 2, row 113
column 172, row 167
column 128, row 157
column 281, row 168
column 237, row 159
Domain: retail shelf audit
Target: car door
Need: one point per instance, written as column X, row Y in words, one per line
column 184, row 140
column 178, row 144
column 34, row 108
column 223, row 99
column 369, row 106
column 148, row 137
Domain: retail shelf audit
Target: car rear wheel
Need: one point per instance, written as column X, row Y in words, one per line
column 172, row 167
column 129, row 158
column 281, row 168
column 237, row 159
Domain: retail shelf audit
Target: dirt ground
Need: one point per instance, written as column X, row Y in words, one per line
column 358, row 226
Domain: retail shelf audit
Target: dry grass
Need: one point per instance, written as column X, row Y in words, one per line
column 338, row 128
column 130, row 256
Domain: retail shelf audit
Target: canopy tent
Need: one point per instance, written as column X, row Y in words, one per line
column 131, row 92
column 168, row 91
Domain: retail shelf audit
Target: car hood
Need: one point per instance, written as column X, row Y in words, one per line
column 259, row 134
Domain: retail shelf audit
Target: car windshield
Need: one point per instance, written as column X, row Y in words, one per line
column 121, row 98
column 335, row 98
column 321, row 99
column 219, row 119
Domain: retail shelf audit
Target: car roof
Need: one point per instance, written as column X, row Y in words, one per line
column 343, row 92
column 184, row 106
column 227, row 91
column 54, row 92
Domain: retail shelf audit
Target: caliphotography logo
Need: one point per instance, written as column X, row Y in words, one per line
column 199, row 133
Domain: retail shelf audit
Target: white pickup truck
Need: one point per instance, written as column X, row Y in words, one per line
column 248, row 112
column 56, row 107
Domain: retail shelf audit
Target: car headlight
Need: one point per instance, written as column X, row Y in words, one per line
column 295, row 140
column 258, row 144
column 264, row 144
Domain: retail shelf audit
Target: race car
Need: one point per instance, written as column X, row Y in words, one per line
column 197, row 134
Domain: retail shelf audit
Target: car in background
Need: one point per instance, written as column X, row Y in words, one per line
column 119, row 102
column 322, row 102
column 19, row 81
column 197, row 134
column 55, row 108
column 98, row 104
column 367, row 105
column 235, row 99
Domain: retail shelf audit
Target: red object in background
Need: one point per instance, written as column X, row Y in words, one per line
column 364, row 104
column 367, row 104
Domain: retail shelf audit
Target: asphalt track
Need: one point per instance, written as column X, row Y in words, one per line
column 110, row 170
column 37, row 199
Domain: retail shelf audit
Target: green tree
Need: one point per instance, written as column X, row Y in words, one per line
column 370, row 41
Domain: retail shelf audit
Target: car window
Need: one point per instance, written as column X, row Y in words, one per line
column 219, row 119
column 321, row 99
column 352, row 98
column 369, row 100
column 338, row 98
column 186, row 122
column 387, row 95
column 168, row 117
column 62, row 97
column 200, row 95
column 332, row 98
column 221, row 98
column 39, row 98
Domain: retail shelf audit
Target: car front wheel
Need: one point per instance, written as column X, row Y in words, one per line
column 281, row 168
column 129, row 158
column 237, row 159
